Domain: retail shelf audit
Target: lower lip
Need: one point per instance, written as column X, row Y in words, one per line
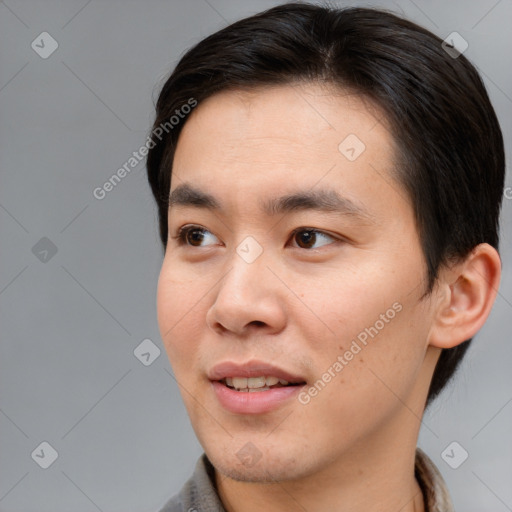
column 256, row 402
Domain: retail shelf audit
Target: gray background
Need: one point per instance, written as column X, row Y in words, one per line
column 70, row 324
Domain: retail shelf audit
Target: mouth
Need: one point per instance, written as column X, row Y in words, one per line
column 257, row 384
column 254, row 387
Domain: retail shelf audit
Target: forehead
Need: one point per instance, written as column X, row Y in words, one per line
column 287, row 112
column 269, row 140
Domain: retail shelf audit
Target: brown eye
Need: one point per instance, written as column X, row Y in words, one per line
column 192, row 236
column 306, row 238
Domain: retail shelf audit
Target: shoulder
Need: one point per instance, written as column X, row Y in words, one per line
column 198, row 493
column 175, row 504
column 435, row 492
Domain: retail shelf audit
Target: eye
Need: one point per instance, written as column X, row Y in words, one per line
column 194, row 235
column 309, row 236
column 191, row 235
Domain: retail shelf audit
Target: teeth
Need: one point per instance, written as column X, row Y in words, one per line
column 256, row 382
column 240, row 382
column 270, row 381
column 262, row 383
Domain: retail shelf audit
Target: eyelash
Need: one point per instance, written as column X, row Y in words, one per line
column 183, row 232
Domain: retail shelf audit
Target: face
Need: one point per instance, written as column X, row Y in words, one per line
column 298, row 274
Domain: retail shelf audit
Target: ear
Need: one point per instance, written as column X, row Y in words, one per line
column 466, row 292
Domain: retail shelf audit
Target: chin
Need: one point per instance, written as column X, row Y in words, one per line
column 250, row 465
column 248, row 475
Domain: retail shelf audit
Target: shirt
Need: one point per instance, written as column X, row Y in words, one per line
column 199, row 493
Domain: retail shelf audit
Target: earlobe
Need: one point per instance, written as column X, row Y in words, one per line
column 466, row 292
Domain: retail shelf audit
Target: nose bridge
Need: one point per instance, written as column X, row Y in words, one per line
column 248, row 268
column 249, row 250
column 246, row 294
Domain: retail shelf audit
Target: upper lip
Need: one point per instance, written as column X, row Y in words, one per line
column 250, row 369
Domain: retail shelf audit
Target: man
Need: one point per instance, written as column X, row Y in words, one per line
column 328, row 204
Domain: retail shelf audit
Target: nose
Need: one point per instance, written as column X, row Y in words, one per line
column 250, row 299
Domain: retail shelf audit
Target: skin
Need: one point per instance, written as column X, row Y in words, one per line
column 352, row 447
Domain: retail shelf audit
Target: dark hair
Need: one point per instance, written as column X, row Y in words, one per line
column 450, row 156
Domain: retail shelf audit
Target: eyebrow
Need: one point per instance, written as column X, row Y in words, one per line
column 322, row 200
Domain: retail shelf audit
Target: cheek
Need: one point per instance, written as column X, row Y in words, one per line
column 178, row 312
column 371, row 382
column 350, row 302
column 375, row 325
column 165, row 303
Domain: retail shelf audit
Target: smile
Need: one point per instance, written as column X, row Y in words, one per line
column 252, row 384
